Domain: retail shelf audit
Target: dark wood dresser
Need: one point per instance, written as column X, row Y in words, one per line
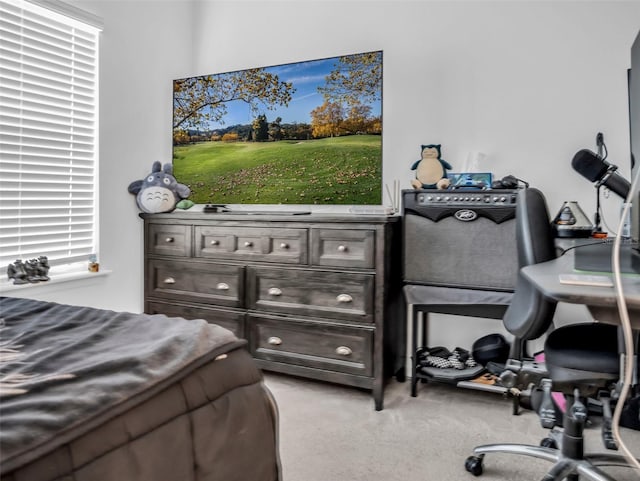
column 315, row 295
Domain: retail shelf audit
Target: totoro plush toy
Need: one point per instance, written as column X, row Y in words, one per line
column 159, row 191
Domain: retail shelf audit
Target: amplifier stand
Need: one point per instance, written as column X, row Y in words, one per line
column 422, row 300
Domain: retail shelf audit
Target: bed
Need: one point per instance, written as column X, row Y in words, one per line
column 97, row 395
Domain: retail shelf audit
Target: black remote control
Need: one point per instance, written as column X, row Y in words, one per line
column 212, row 208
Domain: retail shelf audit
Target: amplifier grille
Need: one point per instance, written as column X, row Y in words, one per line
column 478, row 254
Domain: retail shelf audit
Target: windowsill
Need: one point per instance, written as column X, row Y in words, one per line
column 57, row 275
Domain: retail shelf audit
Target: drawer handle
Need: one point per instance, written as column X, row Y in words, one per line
column 274, row 291
column 275, row 341
column 215, row 242
column 284, row 245
column 169, row 240
column 344, row 298
column 248, row 244
column 222, row 286
column 169, row 280
column 343, row 351
column 342, row 248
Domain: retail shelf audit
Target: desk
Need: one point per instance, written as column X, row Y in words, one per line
column 601, row 301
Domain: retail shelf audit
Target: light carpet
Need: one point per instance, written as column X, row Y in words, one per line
column 330, row 432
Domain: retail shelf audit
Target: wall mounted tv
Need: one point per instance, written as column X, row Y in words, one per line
column 300, row 133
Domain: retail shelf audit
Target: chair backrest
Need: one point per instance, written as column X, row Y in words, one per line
column 530, row 314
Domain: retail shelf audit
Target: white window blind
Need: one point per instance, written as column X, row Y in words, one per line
column 48, row 134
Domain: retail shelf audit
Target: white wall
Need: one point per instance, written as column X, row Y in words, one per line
column 527, row 83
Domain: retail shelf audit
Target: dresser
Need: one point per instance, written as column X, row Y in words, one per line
column 316, row 295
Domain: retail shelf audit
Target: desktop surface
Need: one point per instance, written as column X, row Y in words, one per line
column 601, row 301
column 596, row 257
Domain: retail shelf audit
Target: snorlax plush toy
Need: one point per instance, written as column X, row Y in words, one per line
column 431, row 170
column 159, row 191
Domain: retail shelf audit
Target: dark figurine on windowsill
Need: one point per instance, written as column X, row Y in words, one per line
column 17, row 272
column 31, row 271
column 43, row 268
column 31, row 267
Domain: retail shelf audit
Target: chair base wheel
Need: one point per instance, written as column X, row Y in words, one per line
column 473, row 464
column 549, row 443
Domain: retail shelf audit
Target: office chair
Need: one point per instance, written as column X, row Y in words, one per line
column 580, row 359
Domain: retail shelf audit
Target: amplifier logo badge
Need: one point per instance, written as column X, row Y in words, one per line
column 466, row 215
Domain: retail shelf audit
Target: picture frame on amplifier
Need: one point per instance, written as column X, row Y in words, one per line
column 471, row 180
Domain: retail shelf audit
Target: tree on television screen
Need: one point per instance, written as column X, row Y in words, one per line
column 356, row 79
column 202, row 99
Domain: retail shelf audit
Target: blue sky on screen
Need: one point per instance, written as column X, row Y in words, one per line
column 306, row 78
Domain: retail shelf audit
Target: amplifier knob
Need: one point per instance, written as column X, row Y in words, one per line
column 446, row 199
column 454, row 198
column 467, row 199
column 503, row 199
column 429, row 197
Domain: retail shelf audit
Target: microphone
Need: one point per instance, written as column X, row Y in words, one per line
column 594, row 168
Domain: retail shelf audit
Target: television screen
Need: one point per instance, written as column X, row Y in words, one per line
column 634, row 126
column 300, row 133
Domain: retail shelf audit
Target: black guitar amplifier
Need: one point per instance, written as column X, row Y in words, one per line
column 460, row 238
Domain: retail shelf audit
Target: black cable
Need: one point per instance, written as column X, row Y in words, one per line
column 583, row 245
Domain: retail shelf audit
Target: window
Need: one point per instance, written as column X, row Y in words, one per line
column 48, row 132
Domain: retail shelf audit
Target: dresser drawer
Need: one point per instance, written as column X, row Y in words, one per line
column 232, row 320
column 169, row 240
column 336, row 295
column 252, row 243
column 317, row 345
column 207, row 282
column 343, row 248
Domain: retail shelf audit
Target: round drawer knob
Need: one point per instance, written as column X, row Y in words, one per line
column 274, row 341
column 274, row 291
column 169, row 240
column 248, row 244
column 215, row 242
column 169, row 280
column 222, row 286
column 343, row 351
column 342, row 248
column 284, row 245
column 344, row 298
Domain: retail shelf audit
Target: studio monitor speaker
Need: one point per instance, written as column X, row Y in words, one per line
column 460, row 239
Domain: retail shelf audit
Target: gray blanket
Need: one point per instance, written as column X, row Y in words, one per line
column 66, row 369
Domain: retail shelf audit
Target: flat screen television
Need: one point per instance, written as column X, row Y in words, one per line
column 634, row 133
column 300, row 133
